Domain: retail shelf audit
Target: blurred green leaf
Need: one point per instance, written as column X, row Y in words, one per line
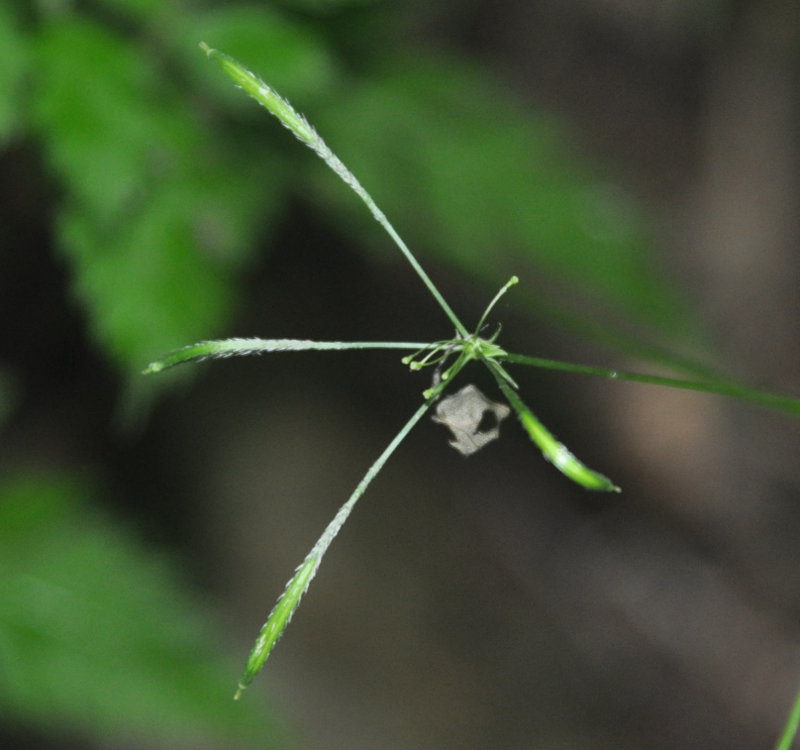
column 294, row 57
column 325, row 7
column 97, row 634
column 144, row 9
column 156, row 217
column 14, row 61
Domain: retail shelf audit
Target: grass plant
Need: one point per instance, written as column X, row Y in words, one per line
column 446, row 357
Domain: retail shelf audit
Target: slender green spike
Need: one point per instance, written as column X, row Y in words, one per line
column 278, row 106
column 278, row 620
column 243, row 347
column 290, row 599
column 554, row 451
column 266, row 96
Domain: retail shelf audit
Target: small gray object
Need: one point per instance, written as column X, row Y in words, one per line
column 463, row 412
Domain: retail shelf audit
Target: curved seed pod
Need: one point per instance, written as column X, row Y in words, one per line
column 557, row 453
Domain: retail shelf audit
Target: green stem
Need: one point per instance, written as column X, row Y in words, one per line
column 782, row 403
column 286, row 605
column 288, row 602
column 398, row 240
column 294, row 121
column 790, row 730
column 511, row 282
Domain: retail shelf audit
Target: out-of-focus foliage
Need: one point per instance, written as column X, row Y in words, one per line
column 154, row 220
column 296, row 57
column 97, row 635
column 13, row 63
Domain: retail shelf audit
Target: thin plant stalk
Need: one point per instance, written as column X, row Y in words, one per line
column 513, row 281
column 792, row 723
column 294, row 121
column 719, row 387
column 288, row 602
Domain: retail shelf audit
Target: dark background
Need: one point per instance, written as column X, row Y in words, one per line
column 484, row 602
